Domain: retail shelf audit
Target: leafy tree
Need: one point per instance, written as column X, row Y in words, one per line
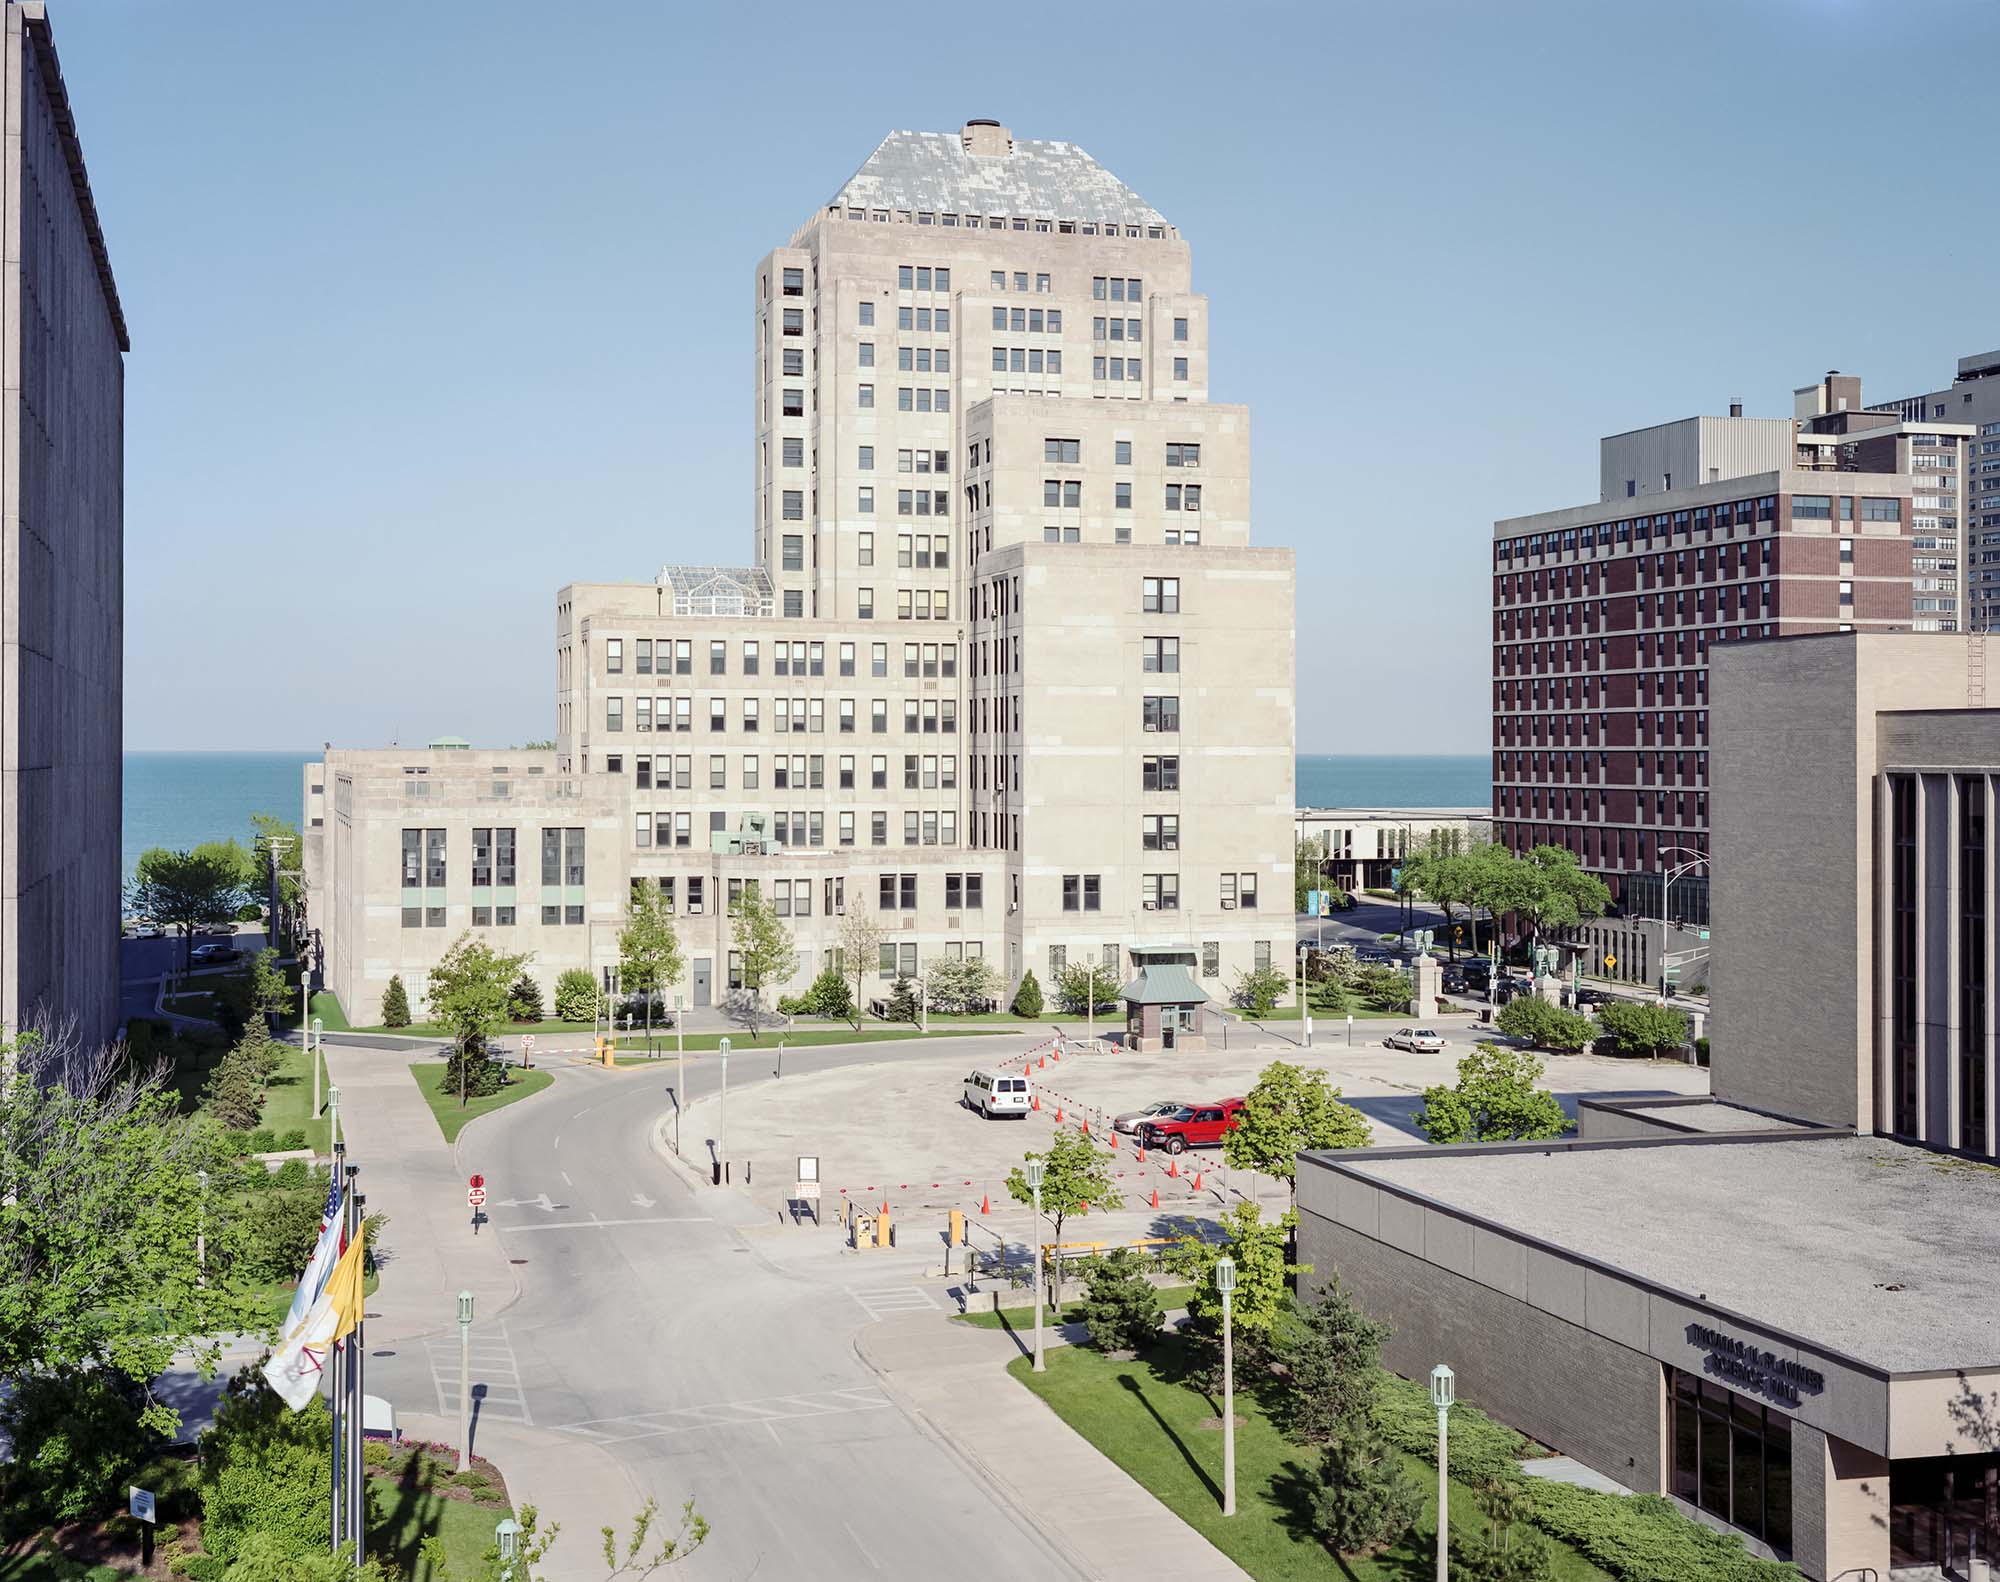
column 396, row 1004
column 764, row 946
column 1028, row 996
column 1121, row 1306
column 1642, row 1028
column 860, row 948
column 827, row 996
column 1305, row 872
column 524, row 1000
column 1263, row 1277
column 270, row 995
column 1443, row 874
column 1383, row 988
column 101, row 1199
column 189, row 888
column 1076, row 1172
column 649, row 951
column 1363, row 1498
column 468, row 994
column 1494, row 1100
column 75, row 1435
column 1532, row 1019
column 1082, row 987
column 957, row 986
column 578, row 998
column 1289, row 1111
column 1258, row 990
column 1547, row 888
column 268, row 831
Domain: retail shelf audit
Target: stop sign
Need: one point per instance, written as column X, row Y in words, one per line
column 477, row 1181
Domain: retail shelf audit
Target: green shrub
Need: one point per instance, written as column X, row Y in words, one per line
column 577, row 996
column 1363, row 1498
column 482, row 1075
column 281, row 1228
column 1506, row 1557
column 1383, row 988
column 263, row 1141
column 1028, row 997
column 1643, row 1029
column 396, row 1004
column 206, row 1568
column 76, row 1435
column 1481, row 1448
column 1701, row 1050
column 902, row 1001
column 264, row 1471
column 1258, row 991
column 292, row 1140
column 291, row 1175
column 1643, row 1537
column 1541, row 1025
column 1120, row 1305
column 830, row 994
column 524, row 1000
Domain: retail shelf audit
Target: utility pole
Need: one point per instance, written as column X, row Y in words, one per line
column 464, row 1378
column 681, row 1068
column 1225, row 1285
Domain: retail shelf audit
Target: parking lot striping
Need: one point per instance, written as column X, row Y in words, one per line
column 761, row 1412
column 496, row 1374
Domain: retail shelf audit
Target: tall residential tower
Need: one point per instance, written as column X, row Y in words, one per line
column 1002, row 667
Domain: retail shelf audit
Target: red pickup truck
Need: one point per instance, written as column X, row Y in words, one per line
column 1196, row 1126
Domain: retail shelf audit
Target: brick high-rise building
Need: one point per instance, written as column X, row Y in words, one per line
column 1710, row 531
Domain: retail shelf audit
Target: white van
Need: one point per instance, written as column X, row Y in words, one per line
column 994, row 1093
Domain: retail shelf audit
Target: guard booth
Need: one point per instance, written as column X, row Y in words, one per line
column 1163, row 1004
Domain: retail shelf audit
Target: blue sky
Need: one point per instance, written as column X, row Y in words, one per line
column 436, row 307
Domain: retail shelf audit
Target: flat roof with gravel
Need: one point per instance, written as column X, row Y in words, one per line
column 1882, row 1252
column 1711, row 1115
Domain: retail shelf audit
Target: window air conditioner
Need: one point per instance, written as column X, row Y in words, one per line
column 1228, row 906
column 1152, row 906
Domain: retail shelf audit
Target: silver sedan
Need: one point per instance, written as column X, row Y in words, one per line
column 1418, row 1040
column 1131, row 1120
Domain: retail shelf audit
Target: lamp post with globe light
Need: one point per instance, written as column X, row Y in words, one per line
column 1443, row 1392
column 1036, row 1171
column 1225, row 1285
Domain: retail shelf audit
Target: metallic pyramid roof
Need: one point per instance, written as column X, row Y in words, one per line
column 932, row 171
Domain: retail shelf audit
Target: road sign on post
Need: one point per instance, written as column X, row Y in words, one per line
column 527, row 1049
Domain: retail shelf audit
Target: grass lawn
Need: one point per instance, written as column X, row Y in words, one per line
column 288, row 1100
column 1021, row 1319
column 1151, row 1427
column 411, row 1504
column 326, row 1006
column 451, row 1116
column 739, row 1042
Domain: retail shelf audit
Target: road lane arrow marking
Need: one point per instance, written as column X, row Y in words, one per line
column 640, row 1200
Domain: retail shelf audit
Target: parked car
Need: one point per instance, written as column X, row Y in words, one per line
column 1418, row 1040
column 993, row 1093
column 1191, row 1126
column 1592, row 997
column 1129, row 1122
column 212, row 954
column 1453, row 981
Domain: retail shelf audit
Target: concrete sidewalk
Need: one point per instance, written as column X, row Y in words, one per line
column 951, row 1380
column 410, row 1173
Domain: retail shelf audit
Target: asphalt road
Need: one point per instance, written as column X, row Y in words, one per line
column 653, row 1328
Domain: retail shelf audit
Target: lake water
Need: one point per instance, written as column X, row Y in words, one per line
column 182, row 799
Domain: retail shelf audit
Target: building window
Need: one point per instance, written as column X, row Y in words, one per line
column 614, row 656
column 1161, row 596
column 1160, row 655
column 1161, row 892
column 1211, row 958
column 1160, row 832
column 1732, row 1457
column 1161, row 774
column 1160, row 713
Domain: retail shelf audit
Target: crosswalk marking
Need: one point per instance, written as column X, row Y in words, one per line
column 496, row 1374
column 879, row 1303
column 727, row 1414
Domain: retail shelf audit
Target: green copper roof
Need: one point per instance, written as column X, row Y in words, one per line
column 1167, row 983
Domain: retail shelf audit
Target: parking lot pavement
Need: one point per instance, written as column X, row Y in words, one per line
column 895, row 1130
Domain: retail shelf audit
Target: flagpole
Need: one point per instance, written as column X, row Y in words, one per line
column 337, row 1504
column 351, row 1472
column 360, row 1370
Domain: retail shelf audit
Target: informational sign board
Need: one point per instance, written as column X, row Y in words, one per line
column 140, row 1506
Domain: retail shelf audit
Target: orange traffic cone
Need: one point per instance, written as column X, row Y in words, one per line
column 1173, row 1164
column 1114, row 1139
column 1042, row 1064
column 1156, row 1197
column 1142, row 1153
column 985, row 1205
column 1037, row 1104
column 1058, row 1115
column 1086, row 1126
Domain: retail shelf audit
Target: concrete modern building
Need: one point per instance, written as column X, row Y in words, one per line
column 1360, row 848
column 62, row 545
column 1003, row 666
column 1973, row 399
column 1714, row 531
column 1772, row 1305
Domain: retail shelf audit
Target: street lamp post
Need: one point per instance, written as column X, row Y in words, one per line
column 201, row 1230
column 507, row 1538
column 1695, row 860
column 1225, row 1285
column 314, row 1036
column 1037, row 1169
column 722, row 1108
column 333, row 1117
column 464, row 1378
column 680, row 1069
column 1443, row 1392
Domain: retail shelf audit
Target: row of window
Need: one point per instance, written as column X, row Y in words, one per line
column 1749, row 514
column 928, row 660
column 923, row 320
column 796, row 715
column 493, row 863
column 1030, row 321
column 1084, row 892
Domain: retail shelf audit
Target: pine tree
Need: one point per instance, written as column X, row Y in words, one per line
column 902, row 1001
column 396, row 1004
column 1028, row 997
column 1332, row 1358
column 524, row 1000
column 1365, row 1500
column 1121, row 1305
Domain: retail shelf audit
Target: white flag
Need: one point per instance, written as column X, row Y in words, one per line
column 332, row 1228
column 294, row 1369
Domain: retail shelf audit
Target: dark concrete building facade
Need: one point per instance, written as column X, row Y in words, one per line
column 62, row 550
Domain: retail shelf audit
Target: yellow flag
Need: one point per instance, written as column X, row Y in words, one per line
column 294, row 1369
